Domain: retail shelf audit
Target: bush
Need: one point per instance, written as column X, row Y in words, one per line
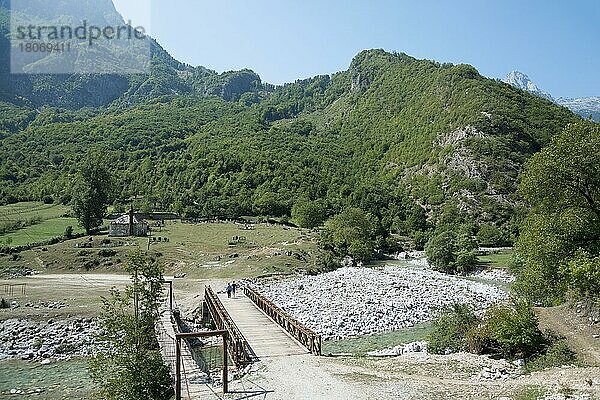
column 309, row 214
column 557, row 355
column 491, row 236
column 68, row 231
column 107, row 252
column 516, row 264
column 420, row 238
column 440, row 251
column 4, row 303
column 391, row 245
column 584, row 274
column 450, row 329
column 352, row 232
column 510, row 331
column 477, row 338
column 466, row 261
column 534, row 287
column 451, row 253
column 514, row 330
column 324, row 261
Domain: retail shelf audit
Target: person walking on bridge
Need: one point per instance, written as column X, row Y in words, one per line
column 229, row 289
column 233, row 287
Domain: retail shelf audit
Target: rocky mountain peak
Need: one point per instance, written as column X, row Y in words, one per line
column 521, row 81
column 588, row 107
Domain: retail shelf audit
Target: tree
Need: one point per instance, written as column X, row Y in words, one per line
column 440, row 251
column 584, row 274
column 562, row 185
column 450, row 329
column 491, row 236
column 352, row 232
column 451, row 253
column 416, row 220
column 309, row 214
column 129, row 364
column 91, row 194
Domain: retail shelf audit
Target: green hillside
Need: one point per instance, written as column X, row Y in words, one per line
column 387, row 134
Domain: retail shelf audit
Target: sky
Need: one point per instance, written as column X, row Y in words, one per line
column 555, row 42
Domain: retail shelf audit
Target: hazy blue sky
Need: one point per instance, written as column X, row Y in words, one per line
column 555, row 42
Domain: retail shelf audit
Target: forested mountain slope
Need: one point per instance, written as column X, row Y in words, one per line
column 389, row 133
column 163, row 75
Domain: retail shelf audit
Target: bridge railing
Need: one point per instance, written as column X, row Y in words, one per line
column 237, row 345
column 307, row 337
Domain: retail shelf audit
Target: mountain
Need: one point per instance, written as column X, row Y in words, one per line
column 82, row 86
column 396, row 136
column 586, row 107
column 401, row 138
column 522, row 81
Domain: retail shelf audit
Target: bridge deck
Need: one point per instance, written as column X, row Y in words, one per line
column 266, row 338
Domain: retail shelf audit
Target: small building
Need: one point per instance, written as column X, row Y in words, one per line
column 127, row 225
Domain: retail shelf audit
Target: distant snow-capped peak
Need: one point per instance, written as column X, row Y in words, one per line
column 586, row 107
column 522, row 81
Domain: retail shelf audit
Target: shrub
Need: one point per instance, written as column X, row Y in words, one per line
column 466, row 261
column 516, row 264
column 514, row 330
column 491, row 236
column 352, row 232
column 4, row 303
column 450, row 329
column 323, row 261
column 107, row 252
column 91, row 264
column 420, row 238
column 440, row 251
column 584, row 274
column 309, row 214
column 557, row 355
column 68, row 231
column 451, row 253
column 391, row 245
column 477, row 338
column 533, row 286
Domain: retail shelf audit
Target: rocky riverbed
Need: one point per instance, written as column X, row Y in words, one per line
column 46, row 340
column 353, row 302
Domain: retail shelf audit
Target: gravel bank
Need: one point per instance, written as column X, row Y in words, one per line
column 352, row 302
column 46, row 340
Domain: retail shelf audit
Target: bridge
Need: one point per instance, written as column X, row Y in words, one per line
column 252, row 327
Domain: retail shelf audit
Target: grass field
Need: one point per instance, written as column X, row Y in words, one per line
column 40, row 232
column 50, row 220
column 497, row 260
column 203, row 250
column 362, row 345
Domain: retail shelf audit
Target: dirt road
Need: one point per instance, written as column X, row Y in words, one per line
column 581, row 335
